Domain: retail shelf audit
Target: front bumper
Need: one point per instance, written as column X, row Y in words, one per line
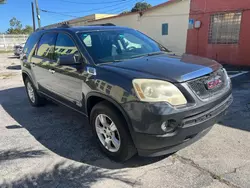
column 193, row 123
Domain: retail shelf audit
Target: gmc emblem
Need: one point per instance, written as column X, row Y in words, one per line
column 214, row 82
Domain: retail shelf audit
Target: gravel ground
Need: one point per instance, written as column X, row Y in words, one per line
column 52, row 147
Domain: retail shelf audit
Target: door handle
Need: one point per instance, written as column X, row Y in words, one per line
column 51, row 71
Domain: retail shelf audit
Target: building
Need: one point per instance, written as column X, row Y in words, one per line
column 224, row 30
column 82, row 20
column 167, row 23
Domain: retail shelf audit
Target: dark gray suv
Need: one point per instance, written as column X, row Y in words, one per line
column 138, row 97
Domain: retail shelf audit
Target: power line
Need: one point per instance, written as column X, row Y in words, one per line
column 107, row 11
column 121, row 9
column 47, row 11
column 126, row 8
column 90, row 10
column 93, row 3
column 117, row 7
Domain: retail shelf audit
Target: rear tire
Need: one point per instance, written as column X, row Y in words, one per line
column 34, row 99
column 115, row 140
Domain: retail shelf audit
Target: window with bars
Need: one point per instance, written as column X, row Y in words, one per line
column 225, row 28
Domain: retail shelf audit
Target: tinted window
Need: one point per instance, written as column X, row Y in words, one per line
column 117, row 45
column 46, row 46
column 31, row 42
column 64, row 45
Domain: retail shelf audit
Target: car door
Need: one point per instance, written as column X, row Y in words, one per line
column 69, row 79
column 43, row 62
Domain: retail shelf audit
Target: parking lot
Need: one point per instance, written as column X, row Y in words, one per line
column 52, row 146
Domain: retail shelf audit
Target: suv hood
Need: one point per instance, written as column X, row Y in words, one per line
column 170, row 67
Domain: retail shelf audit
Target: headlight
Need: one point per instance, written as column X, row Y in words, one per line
column 158, row 91
column 228, row 80
column 225, row 71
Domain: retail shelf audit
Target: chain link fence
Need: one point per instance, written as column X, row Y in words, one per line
column 7, row 41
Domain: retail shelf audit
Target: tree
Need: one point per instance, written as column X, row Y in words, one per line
column 140, row 6
column 28, row 29
column 3, row 1
column 16, row 27
column 16, row 24
column 125, row 12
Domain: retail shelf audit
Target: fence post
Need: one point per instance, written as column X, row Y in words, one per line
column 4, row 42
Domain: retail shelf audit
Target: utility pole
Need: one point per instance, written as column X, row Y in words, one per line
column 38, row 14
column 33, row 16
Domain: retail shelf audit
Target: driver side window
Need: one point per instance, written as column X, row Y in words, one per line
column 64, row 46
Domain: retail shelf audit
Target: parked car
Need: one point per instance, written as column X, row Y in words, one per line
column 138, row 99
column 18, row 49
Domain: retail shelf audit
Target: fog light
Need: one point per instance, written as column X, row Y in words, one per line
column 169, row 126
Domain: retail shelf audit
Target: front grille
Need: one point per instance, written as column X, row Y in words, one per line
column 199, row 86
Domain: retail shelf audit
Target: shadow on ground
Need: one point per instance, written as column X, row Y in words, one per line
column 62, row 175
column 238, row 115
column 13, row 57
column 61, row 130
column 14, row 67
column 7, row 155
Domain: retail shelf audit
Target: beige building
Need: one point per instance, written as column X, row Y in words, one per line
column 82, row 20
column 167, row 23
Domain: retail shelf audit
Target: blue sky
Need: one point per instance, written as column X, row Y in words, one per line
column 69, row 9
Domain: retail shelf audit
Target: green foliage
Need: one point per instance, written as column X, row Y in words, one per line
column 3, row 1
column 16, row 24
column 16, row 27
column 140, row 6
column 125, row 12
column 27, row 29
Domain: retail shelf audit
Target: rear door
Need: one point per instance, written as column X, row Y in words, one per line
column 43, row 62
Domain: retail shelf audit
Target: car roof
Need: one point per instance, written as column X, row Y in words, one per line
column 84, row 28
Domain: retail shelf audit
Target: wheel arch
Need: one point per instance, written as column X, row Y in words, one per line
column 101, row 97
column 25, row 75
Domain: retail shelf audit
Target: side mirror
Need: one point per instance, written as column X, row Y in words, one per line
column 71, row 59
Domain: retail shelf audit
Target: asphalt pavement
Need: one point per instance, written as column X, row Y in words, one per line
column 52, row 146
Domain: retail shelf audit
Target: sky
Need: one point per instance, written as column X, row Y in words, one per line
column 65, row 9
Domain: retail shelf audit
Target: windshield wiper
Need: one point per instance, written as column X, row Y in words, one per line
column 155, row 53
column 113, row 61
column 149, row 54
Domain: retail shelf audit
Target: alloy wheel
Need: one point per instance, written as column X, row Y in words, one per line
column 31, row 93
column 107, row 133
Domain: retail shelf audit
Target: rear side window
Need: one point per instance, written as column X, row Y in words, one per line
column 64, row 45
column 31, row 43
column 46, row 46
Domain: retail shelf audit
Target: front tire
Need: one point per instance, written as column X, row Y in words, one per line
column 34, row 99
column 111, row 132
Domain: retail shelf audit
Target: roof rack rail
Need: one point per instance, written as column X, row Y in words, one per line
column 63, row 25
column 105, row 24
column 41, row 28
column 58, row 25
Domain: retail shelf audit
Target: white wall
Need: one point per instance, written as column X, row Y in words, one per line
column 175, row 14
column 8, row 41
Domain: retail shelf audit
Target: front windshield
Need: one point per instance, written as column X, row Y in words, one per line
column 117, row 45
